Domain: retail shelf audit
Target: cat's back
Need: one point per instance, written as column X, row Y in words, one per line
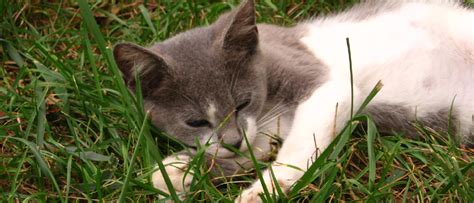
column 422, row 51
column 398, row 42
column 383, row 31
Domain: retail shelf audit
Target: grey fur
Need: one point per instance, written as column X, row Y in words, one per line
column 292, row 71
column 398, row 118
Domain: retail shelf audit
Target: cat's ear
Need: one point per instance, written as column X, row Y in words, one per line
column 242, row 33
column 133, row 59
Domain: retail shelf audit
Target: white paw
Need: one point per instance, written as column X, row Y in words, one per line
column 175, row 166
column 253, row 193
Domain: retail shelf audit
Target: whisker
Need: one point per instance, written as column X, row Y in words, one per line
column 275, row 112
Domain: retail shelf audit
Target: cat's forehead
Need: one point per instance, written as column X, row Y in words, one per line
column 197, row 46
column 200, row 91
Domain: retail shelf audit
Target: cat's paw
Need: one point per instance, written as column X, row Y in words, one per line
column 253, row 193
column 250, row 195
column 175, row 166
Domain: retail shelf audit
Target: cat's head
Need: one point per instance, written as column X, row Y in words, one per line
column 205, row 84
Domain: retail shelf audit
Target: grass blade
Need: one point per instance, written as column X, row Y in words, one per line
column 42, row 164
column 94, row 30
column 147, row 18
column 257, row 168
column 371, row 133
column 132, row 161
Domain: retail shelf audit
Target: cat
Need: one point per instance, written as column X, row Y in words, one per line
column 216, row 84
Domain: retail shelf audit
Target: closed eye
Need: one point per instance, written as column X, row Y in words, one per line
column 242, row 105
column 198, row 123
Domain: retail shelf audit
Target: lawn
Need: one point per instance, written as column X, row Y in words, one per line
column 71, row 131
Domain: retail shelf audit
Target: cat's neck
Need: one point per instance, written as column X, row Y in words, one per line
column 292, row 71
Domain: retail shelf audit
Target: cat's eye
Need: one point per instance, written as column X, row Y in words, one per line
column 242, row 105
column 198, row 123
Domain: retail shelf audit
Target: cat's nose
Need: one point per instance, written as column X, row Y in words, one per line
column 237, row 144
column 231, row 138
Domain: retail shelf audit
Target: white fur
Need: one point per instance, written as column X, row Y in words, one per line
column 211, row 113
column 175, row 167
column 251, row 133
column 422, row 52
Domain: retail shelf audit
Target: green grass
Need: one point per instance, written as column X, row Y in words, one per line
column 71, row 131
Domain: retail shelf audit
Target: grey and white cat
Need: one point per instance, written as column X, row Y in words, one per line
column 217, row 83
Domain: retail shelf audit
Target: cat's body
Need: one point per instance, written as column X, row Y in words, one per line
column 291, row 81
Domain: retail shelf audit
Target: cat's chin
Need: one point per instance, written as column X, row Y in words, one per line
column 224, row 153
column 221, row 153
column 227, row 155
